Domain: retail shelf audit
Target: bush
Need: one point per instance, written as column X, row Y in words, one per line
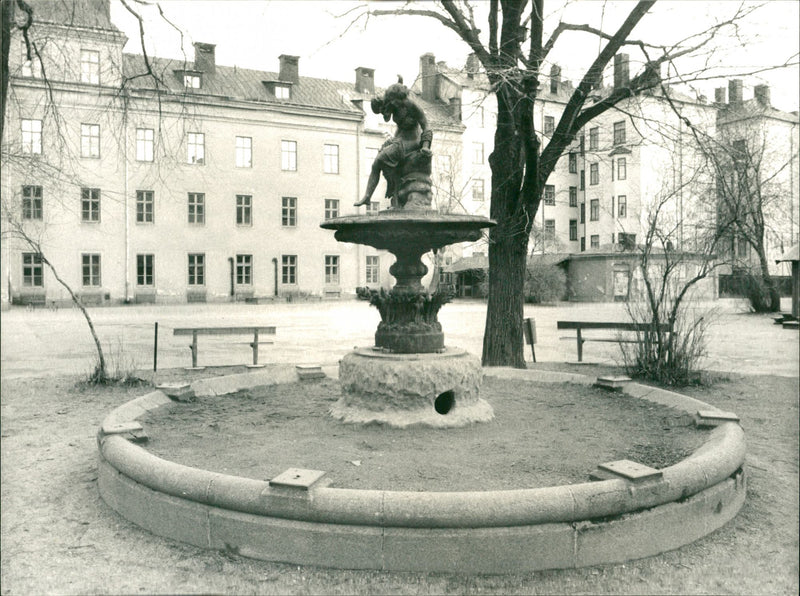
column 545, row 283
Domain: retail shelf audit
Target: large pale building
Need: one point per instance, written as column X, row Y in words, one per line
column 166, row 180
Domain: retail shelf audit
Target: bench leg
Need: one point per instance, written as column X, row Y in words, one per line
column 193, row 347
column 255, row 347
column 580, row 346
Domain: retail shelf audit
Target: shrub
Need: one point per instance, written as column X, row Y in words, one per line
column 544, row 283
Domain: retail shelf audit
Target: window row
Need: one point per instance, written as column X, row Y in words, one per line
column 32, row 207
column 89, row 64
column 619, row 171
column 619, row 135
column 33, row 270
column 195, row 147
column 619, row 208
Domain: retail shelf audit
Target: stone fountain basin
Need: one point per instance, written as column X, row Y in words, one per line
column 303, row 521
column 390, row 229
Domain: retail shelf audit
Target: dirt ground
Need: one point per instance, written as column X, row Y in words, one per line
column 58, row 537
column 543, row 434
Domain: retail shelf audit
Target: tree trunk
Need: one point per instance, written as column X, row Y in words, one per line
column 769, row 283
column 502, row 338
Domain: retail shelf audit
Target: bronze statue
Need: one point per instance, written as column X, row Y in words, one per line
column 405, row 159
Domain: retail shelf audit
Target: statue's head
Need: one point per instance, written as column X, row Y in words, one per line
column 393, row 96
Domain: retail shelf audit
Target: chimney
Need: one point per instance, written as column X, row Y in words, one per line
column 455, row 108
column 621, row 71
column 761, row 93
column 473, row 65
column 365, row 80
column 289, row 69
column 720, row 96
column 555, row 78
column 204, row 59
column 427, row 72
column 735, row 92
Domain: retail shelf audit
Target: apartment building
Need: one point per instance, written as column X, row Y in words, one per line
column 172, row 181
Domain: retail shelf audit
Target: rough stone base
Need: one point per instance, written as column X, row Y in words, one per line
column 401, row 390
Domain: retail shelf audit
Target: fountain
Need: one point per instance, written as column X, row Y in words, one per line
column 409, row 377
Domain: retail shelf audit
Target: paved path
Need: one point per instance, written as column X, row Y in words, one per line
column 36, row 342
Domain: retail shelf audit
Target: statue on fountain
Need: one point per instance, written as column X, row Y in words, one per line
column 405, row 159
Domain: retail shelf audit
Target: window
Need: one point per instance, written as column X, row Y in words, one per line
column 573, row 229
column 244, row 210
column 90, row 67
column 289, row 156
column 594, row 173
column 144, row 206
column 144, row 270
column 549, row 194
column 191, row 81
column 244, row 152
column 549, row 229
column 90, row 140
column 742, row 247
column 619, row 132
column 289, row 212
column 282, row 91
column 332, row 269
column 622, row 169
column 31, row 202
column 583, row 180
column 573, row 196
column 289, row 269
column 373, row 207
column 144, row 144
column 244, row 270
column 477, row 190
column 32, row 136
column 477, row 153
column 197, row 269
column 28, row 69
column 583, row 243
column 628, row 241
column 90, row 204
column 622, row 206
column 594, row 210
column 549, row 125
column 330, row 159
column 331, row 208
column 594, row 241
column 573, row 163
column 32, row 270
column 479, row 116
column 90, row 269
column 583, row 212
column 594, row 138
column 612, row 170
column 373, row 270
column 196, row 148
column 197, row 208
column 583, row 143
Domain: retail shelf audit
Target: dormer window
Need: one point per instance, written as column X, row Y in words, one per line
column 191, row 81
column 282, row 91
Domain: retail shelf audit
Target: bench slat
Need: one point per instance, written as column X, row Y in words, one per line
column 608, row 325
column 222, row 330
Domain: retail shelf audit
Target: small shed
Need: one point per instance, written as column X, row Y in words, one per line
column 793, row 256
column 469, row 273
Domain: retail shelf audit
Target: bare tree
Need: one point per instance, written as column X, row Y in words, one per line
column 512, row 49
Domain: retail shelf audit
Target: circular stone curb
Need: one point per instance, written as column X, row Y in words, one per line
column 505, row 531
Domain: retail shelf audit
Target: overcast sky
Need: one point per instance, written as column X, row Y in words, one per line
column 253, row 33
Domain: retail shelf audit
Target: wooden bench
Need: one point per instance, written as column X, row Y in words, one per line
column 195, row 331
column 581, row 325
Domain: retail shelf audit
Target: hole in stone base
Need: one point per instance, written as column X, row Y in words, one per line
column 444, row 403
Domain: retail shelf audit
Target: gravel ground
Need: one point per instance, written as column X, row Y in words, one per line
column 58, row 537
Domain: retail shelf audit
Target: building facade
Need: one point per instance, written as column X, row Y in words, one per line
column 172, row 181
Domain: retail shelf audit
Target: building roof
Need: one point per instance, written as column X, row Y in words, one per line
column 93, row 14
column 247, row 84
column 752, row 108
column 482, row 262
column 793, row 254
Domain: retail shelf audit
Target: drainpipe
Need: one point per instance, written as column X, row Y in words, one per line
column 125, row 200
column 275, row 276
column 230, row 260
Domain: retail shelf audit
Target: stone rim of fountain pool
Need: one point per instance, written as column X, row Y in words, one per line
column 506, row 531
